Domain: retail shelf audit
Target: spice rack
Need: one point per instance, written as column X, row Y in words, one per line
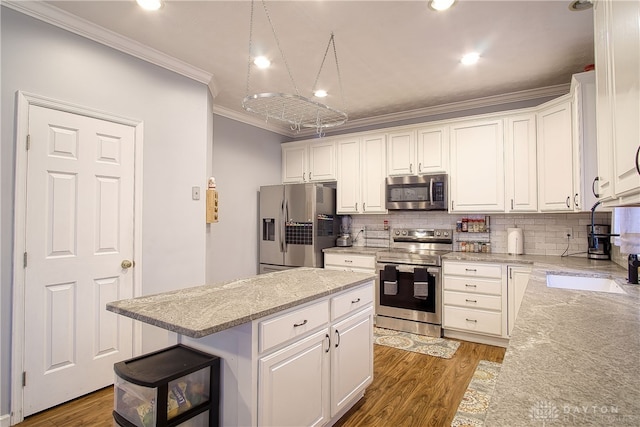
column 472, row 235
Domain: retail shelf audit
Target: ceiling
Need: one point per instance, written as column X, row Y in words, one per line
column 395, row 57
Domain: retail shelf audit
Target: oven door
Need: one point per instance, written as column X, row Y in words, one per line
column 415, row 294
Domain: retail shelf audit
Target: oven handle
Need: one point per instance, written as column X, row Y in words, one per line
column 408, row 268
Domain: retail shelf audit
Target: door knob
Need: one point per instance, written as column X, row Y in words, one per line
column 125, row 264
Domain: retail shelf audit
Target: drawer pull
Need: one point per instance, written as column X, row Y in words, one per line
column 355, row 301
column 295, row 325
column 470, row 286
column 471, row 300
column 348, row 260
column 470, row 269
column 471, row 320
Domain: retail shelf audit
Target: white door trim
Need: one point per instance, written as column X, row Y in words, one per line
column 24, row 101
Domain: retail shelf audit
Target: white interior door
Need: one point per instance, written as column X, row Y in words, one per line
column 79, row 229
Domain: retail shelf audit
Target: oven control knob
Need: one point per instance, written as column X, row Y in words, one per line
column 404, row 232
column 397, row 232
column 446, row 234
column 438, row 233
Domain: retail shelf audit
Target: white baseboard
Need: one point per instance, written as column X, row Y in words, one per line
column 5, row 420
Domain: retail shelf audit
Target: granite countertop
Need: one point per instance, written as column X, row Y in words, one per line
column 357, row 250
column 204, row 310
column 574, row 356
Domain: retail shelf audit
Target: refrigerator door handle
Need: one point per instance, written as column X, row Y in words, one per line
column 282, row 226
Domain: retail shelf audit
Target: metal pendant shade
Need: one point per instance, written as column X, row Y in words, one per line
column 292, row 108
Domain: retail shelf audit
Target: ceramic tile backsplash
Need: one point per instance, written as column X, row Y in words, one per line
column 544, row 234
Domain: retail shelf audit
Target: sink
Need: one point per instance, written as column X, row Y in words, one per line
column 582, row 283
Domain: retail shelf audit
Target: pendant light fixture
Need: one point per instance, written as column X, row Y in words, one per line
column 292, row 108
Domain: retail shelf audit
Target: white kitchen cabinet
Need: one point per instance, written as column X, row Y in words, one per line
column 294, row 384
column 617, row 44
column 476, row 181
column 418, row 151
column 309, row 161
column 585, row 161
column 475, row 303
column 350, row 262
column 361, row 174
column 401, row 155
column 310, row 371
column 521, row 174
column 555, row 156
column 517, row 279
column 351, row 373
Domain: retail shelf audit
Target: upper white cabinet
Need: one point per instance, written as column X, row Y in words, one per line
column 361, row 174
column 309, row 161
column 401, row 156
column 476, row 181
column 520, row 163
column 617, row 45
column 418, row 151
column 555, row 156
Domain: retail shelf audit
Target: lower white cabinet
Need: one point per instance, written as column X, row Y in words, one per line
column 474, row 298
column 294, row 384
column 350, row 262
column 517, row 279
column 319, row 375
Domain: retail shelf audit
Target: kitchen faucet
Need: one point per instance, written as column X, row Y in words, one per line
column 593, row 242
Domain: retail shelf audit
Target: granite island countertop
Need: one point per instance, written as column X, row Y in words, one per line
column 204, row 310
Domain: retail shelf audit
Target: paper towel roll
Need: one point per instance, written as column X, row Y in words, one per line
column 515, row 241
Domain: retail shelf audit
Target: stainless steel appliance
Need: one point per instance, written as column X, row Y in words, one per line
column 409, row 280
column 423, row 192
column 345, row 232
column 297, row 221
column 599, row 241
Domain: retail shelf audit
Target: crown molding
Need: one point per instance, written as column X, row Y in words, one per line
column 58, row 17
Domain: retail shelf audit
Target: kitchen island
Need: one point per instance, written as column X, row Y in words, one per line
column 297, row 345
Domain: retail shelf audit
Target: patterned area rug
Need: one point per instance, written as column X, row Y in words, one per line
column 473, row 407
column 439, row 347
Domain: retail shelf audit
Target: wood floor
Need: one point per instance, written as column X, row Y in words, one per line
column 409, row 389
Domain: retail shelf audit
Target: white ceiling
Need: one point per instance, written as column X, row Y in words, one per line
column 394, row 56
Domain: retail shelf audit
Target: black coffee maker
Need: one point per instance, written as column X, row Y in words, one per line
column 599, row 241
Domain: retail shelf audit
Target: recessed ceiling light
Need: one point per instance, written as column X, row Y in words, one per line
column 262, row 62
column 578, row 5
column 470, row 58
column 441, row 4
column 320, row 93
column 150, row 4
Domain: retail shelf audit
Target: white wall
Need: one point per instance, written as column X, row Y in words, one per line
column 44, row 60
column 243, row 158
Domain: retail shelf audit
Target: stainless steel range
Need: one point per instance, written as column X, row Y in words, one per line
column 409, row 280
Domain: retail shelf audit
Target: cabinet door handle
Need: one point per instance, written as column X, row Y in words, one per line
column 420, row 167
column 638, row 155
column 471, row 300
column 568, row 201
column 575, row 200
column 471, row 320
column 337, row 338
column 410, row 167
column 356, row 206
column 295, row 325
column 593, row 186
column 364, row 206
column 355, row 301
column 511, row 204
column 452, row 206
column 470, row 286
column 309, row 175
column 328, row 343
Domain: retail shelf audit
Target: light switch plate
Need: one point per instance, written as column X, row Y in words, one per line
column 195, row 193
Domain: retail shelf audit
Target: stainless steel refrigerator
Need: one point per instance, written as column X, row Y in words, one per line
column 297, row 221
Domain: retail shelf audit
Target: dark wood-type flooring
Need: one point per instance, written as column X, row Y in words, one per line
column 409, row 389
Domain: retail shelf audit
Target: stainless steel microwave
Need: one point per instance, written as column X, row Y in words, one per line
column 422, row 192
